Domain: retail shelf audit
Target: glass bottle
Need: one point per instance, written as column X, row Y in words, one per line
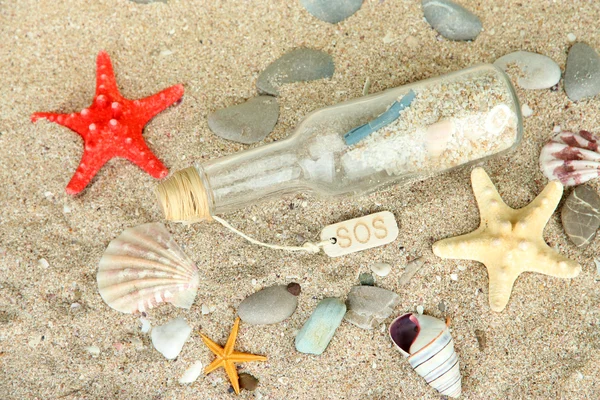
column 351, row 148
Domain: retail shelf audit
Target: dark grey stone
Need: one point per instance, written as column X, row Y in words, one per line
column 332, row 11
column 249, row 122
column 451, row 20
column 366, row 279
column 582, row 76
column 369, row 306
column 298, row 65
column 580, row 215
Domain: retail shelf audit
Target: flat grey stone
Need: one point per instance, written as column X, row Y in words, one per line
column 451, row 20
column 332, row 11
column 268, row 306
column 249, row 122
column 298, row 65
column 318, row 330
column 410, row 270
column 580, row 215
column 369, row 306
column 582, row 76
column 535, row 71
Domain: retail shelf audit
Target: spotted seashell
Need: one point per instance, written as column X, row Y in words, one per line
column 144, row 267
column 427, row 343
column 571, row 158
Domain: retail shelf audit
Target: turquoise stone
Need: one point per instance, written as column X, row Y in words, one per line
column 318, row 330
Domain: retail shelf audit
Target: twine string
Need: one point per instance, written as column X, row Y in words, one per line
column 309, row 247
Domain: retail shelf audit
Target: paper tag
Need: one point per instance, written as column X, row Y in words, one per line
column 360, row 233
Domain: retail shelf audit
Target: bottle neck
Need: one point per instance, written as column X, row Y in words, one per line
column 242, row 179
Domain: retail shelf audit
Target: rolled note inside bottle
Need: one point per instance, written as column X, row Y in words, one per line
column 406, row 133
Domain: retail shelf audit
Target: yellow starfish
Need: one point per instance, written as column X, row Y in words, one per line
column 509, row 241
column 226, row 357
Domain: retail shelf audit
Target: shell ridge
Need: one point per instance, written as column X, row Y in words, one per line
column 112, row 262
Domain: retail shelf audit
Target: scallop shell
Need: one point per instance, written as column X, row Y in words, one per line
column 571, row 158
column 144, row 267
column 427, row 343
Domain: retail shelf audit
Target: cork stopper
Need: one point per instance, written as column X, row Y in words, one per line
column 183, row 197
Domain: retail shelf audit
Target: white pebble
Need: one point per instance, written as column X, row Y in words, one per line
column 557, row 129
column 462, row 267
column 145, row 325
column 43, row 263
column 192, row 373
column 48, row 195
column 75, row 305
column 597, row 262
column 33, row 342
column 93, row 350
column 205, row 309
column 579, row 375
column 454, row 277
column 283, row 380
column 253, row 282
column 571, row 37
column 420, row 310
column 526, row 111
column 381, row 269
column 137, row 343
column 439, row 278
column 169, row 338
column 66, row 209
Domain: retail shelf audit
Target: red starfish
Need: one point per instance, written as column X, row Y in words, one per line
column 112, row 126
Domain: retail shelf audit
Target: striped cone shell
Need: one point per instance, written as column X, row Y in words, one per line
column 571, row 158
column 429, row 346
column 144, row 267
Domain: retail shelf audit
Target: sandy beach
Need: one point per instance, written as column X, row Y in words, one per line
column 544, row 345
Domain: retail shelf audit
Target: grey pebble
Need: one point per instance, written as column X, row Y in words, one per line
column 582, row 75
column 332, row 11
column 442, row 306
column 268, row 306
column 366, row 279
column 369, row 306
column 451, row 20
column 248, row 122
column 318, row 330
column 298, row 65
column 580, row 215
column 410, row 270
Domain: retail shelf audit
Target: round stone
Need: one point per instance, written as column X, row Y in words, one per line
column 451, row 20
column 533, row 71
column 332, row 11
column 298, row 65
column 268, row 306
column 248, row 122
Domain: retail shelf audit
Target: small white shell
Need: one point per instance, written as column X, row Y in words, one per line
column 429, row 346
column 571, row 158
column 144, row 267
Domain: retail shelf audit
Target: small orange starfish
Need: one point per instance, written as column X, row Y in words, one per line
column 226, row 357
